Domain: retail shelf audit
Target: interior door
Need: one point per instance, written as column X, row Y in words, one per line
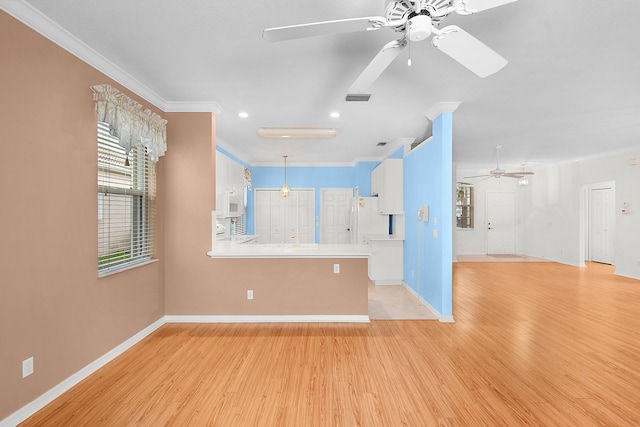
column 335, row 207
column 602, row 217
column 501, row 223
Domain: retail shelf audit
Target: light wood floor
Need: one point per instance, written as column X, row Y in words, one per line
column 533, row 344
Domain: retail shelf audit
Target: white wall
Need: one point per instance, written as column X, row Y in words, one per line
column 627, row 178
column 474, row 241
column 551, row 210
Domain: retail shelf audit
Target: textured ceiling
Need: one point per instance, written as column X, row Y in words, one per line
column 570, row 89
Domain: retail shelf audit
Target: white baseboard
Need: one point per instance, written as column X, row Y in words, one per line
column 55, row 392
column 269, row 319
column 625, row 274
column 386, row 282
column 46, row 398
column 441, row 318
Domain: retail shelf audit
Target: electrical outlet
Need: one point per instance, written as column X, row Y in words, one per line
column 336, row 268
column 249, row 294
column 27, row 367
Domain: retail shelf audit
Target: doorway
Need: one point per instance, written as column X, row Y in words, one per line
column 501, row 223
column 335, row 208
column 601, row 222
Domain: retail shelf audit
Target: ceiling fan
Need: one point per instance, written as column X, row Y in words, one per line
column 416, row 20
column 499, row 173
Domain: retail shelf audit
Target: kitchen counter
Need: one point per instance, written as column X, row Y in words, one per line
column 382, row 237
column 228, row 249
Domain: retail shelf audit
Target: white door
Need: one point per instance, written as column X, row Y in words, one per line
column 501, row 223
column 602, row 217
column 300, row 216
column 278, row 219
column 335, row 208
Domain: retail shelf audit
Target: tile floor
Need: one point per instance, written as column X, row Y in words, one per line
column 395, row 302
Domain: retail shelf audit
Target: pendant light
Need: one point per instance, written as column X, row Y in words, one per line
column 284, row 190
column 523, row 181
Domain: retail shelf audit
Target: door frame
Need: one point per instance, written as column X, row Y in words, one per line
column 585, row 230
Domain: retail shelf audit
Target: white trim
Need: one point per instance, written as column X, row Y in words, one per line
column 442, row 107
column 628, row 275
column 55, row 392
column 441, row 317
column 193, row 107
column 39, row 22
column 329, row 318
column 43, row 400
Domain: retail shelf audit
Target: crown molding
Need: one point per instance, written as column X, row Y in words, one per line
column 42, row 24
column 193, row 107
column 442, row 107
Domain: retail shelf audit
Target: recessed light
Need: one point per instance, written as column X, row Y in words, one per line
column 243, row 114
column 335, row 114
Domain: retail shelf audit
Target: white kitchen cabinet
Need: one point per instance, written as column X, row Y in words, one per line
column 229, row 178
column 386, row 180
column 385, row 262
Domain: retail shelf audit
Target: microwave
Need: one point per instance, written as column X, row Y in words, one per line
column 233, row 205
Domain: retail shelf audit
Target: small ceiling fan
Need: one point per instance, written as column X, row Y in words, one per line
column 499, row 173
column 416, row 20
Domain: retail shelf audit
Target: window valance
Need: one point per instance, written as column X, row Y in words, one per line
column 129, row 122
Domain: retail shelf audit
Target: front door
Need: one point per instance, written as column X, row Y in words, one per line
column 501, row 223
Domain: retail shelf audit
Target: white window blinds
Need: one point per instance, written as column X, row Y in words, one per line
column 126, row 203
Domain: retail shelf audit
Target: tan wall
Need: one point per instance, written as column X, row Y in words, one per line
column 198, row 285
column 52, row 304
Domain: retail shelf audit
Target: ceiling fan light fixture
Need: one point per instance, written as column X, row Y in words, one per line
column 419, row 28
column 297, row 132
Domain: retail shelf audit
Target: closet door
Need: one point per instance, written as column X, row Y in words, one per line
column 278, row 219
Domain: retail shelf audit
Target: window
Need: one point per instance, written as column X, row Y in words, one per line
column 126, row 204
column 464, row 205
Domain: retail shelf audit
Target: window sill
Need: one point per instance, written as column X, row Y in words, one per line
column 125, row 268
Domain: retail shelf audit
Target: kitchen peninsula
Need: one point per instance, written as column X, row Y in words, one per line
column 298, row 283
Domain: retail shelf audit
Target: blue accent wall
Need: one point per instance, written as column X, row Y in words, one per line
column 427, row 181
column 315, row 177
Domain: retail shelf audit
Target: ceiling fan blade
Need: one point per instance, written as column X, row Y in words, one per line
column 480, row 5
column 381, row 61
column 322, row 28
column 469, row 51
column 477, row 176
column 517, row 174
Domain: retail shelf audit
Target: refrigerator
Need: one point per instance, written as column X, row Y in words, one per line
column 365, row 219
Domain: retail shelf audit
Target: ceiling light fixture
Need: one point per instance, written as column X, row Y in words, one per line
column 285, row 190
column 297, row 132
column 243, row 114
column 335, row 115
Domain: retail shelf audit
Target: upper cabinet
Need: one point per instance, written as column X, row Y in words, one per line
column 386, row 183
column 229, row 178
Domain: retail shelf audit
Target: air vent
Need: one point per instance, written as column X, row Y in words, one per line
column 381, row 144
column 361, row 97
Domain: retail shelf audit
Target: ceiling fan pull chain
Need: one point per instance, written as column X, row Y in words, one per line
column 409, row 60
